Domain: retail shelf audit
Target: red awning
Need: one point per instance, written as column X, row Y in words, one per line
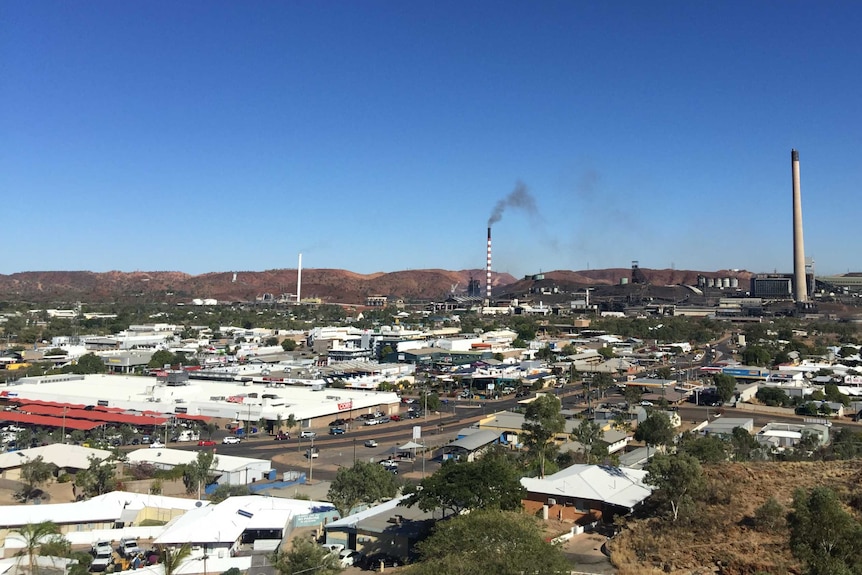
column 17, row 417
column 94, row 415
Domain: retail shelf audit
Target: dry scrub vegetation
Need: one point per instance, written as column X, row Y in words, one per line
column 718, row 534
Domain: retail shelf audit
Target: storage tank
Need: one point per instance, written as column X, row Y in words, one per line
column 624, row 281
column 710, row 282
column 734, row 283
column 725, row 282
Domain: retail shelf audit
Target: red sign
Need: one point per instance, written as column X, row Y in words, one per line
column 344, row 405
column 235, row 399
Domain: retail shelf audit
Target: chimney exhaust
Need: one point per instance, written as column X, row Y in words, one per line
column 299, row 280
column 488, row 270
column 800, row 290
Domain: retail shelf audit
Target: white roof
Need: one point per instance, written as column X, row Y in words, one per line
column 61, row 455
column 352, row 520
column 615, row 485
column 174, row 457
column 143, row 393
column 107, row 507
column 225, row 522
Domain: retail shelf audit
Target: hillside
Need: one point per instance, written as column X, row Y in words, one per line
column 330, row 285
column 720, row 538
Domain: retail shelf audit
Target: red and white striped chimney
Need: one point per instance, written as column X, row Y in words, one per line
column 488, row 269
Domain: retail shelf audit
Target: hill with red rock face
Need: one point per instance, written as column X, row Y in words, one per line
column 330, row 285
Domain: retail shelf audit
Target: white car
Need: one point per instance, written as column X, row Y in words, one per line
column 307, row 434
column 349, row 557
column 157, row 445
column 334, row 548
column 231, row 440
column 372, row 421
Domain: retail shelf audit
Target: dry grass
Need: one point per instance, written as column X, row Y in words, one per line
column 718, row 536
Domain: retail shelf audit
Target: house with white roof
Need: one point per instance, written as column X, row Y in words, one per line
column 219, row 530
column 227, row 469
column 586, row 493
column 66, row 457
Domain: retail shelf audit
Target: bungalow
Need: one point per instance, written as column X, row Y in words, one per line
column 586, row 493
column 386, row 528
column 469, row 447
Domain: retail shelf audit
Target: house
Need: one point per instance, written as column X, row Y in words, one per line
column 471, row 446
column 724, row 426
column 386, row 528
column 227, row 469
column 780, row 436
column 586, row 493
column 68, row 458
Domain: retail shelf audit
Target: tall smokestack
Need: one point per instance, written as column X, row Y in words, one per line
column 299, row 280
column 488, row 269
column 800, row 291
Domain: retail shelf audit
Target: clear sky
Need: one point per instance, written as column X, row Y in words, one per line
column 379, row 136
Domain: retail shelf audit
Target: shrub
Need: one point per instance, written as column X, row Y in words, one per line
column 769, row 516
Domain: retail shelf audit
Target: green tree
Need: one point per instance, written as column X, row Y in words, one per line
column 365, row 482
column 160, row 359
column 602, row 382
column 89, row 363
column 773, row 396
column 97, row 479
column 655, row 429
column 490, row 482
column 431, row 401
column 743, row 445
column 34, row 473
column 34, row 536
column 607, row 352
column 588, row 434
column 769, row 517
column 756, row 355
column 222, row 492
column 198, row 472
column 489, row 542
column 172, row 558
column 664, row 372
column 288, row 344
column 678, row 478
column 304, row 556
column 822, row 534
column 542, row 422
column 706, row 449
column 725, row 386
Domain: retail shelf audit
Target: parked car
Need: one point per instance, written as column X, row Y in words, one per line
column 146, row 439
column 101, row 547
column 389, row 464
column 335, row 548
column 282, row 436
column 372, row 421
column 102, row 561
column 231, row 440
column 350, row 557
column 128, row 547
column 336, row 431
column 374, row 562
column 157, row 445
column 307, row 435
column 395, row 418
column 206, row 443
column 370, row 443
column 337, row 422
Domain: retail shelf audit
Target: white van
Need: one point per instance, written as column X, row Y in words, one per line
column 189, row 435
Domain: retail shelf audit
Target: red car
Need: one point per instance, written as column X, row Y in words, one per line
column 394, row 418
column 206, row 443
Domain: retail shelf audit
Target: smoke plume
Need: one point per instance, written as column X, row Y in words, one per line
column 519, row 198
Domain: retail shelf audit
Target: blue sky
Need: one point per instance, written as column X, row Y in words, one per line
column 379, row 136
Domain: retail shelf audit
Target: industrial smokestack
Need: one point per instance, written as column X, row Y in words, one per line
column 488, row 269
column 800, row 290
column 299, row 280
